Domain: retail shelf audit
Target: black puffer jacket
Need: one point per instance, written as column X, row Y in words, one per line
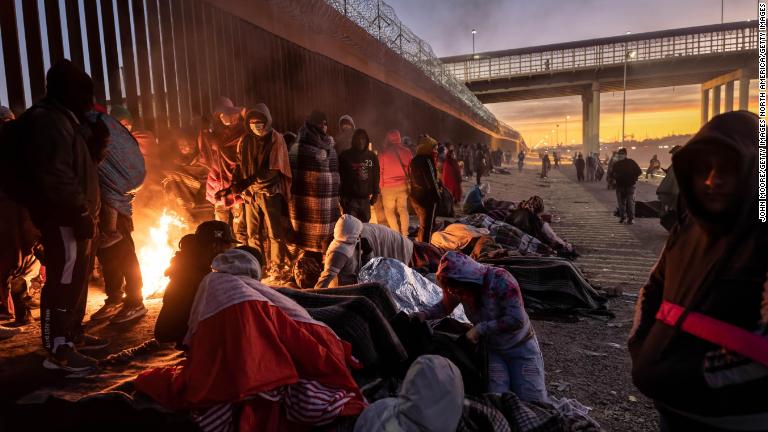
column 713, row 265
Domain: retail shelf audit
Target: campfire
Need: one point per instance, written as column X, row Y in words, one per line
column 156, row 252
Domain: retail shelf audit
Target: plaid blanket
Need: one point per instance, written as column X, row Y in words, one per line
column 508, row 235
column 314, row 207
column 505, row 412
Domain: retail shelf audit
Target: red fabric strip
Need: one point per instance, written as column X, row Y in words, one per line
column 729, row 336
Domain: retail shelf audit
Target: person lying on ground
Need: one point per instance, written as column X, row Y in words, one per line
column 355, row 243
column 494, row 304
column 430, row 400
column 190, row 265
column 256, row 357
column 528, row 217
column 698, row 344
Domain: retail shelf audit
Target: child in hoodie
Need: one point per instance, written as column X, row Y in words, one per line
column 493, row 303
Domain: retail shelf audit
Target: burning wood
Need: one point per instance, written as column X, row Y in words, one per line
column 158, row 249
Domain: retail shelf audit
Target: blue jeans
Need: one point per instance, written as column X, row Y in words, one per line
column 520, row 370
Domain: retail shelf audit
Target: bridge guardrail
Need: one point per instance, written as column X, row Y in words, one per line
column 609, row 54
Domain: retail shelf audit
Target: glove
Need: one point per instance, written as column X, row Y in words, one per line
column 84, row 227
column 374, row 198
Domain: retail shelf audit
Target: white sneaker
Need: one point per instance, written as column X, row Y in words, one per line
column 129, row 313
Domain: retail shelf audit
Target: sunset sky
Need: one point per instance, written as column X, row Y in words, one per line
column 504, row 24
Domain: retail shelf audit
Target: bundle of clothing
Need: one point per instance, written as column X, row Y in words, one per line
column 255, row 352
column 122, row 171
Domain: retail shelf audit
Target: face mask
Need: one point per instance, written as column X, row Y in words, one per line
column 259, row 129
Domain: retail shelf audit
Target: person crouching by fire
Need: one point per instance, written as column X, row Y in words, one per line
column 263, row 179
column 699, row 343
column 188, row 267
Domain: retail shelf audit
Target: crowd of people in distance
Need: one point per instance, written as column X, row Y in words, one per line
column 287, row 222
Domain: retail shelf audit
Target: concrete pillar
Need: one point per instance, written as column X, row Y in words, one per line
column 743, row 92
column 704, row 105
column 715, row 100
column 728, row 97
column 586, row 123
column 595, row 142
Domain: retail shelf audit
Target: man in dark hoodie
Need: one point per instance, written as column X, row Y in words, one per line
column 359, row 172
column 699, row 345
column 61, row 156
column 263, row 179
column 344, row 138
column 625, row 173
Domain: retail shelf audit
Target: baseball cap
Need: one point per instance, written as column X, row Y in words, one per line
column 211, row 231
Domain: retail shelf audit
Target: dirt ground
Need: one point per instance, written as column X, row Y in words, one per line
column 586, row 360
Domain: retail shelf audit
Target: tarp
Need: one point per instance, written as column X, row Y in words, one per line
column 554, row 286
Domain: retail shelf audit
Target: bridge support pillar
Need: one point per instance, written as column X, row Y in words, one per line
column 728, row 97
column 743, row 92
column 716, row 100
column 595, row 141
column 704, row 105
column 590, row 114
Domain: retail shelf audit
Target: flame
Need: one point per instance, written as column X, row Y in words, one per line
column 155, row 255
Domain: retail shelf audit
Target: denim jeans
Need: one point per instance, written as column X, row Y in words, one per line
column 520, row 370
column 625, row 199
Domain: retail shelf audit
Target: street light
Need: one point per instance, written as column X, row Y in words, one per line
column 474, row 32
column 627, row 55
column 566, row 129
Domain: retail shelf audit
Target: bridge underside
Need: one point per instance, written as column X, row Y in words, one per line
column 640, row 75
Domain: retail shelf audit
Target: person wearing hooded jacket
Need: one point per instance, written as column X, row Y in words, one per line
column 494, row 304
column 263, row 179
column 355, row 243
column 431, row 399
column 625, row 173
column 425, row 188
column 359, row 172
column 314, row 206
column 699, row 345
column 343, row 140
column 63, row 179
column 218, row 153
column 394, row 159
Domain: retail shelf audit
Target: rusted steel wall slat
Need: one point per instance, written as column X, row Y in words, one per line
column 129, row 63
column 53, row 28
column 94, row 49
column 73, row 34
column 36, row 67
column 114, row 82
column 169, row 64
column 142, row 63
column 12, row 56
column 155, row 52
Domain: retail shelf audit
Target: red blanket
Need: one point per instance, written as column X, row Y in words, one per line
column 286, row 374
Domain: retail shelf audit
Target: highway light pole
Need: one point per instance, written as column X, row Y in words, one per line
column 627, row 56
column 474, row 32
column 566, row 129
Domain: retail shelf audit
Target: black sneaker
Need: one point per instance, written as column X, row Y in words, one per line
column 86, row 342
column 621, row 220
column 129, row 313
column 107, row 311
column 631, row 222
column 69, row 359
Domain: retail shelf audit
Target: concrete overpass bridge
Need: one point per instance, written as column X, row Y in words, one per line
column 714, row 56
